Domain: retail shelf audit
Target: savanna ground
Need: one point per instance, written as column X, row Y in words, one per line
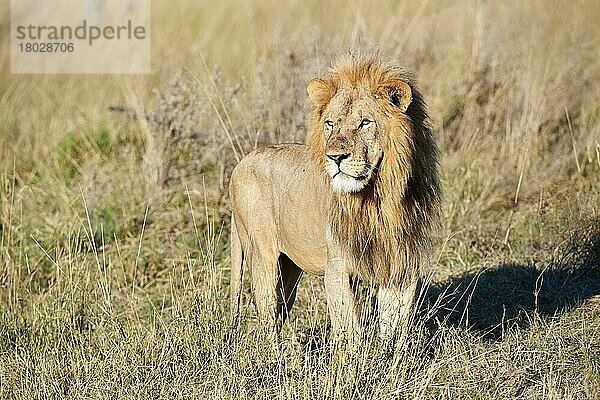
column 114, row 229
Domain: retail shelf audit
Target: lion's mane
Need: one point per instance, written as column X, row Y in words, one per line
column 385, row 228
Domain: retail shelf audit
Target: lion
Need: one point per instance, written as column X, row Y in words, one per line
column 356, row 203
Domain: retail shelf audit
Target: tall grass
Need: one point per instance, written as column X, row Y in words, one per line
column 114, row 230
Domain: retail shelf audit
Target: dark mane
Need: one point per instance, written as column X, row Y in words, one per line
column 385, row 228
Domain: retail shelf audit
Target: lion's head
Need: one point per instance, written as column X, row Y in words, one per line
column 369, row 134
column 357, row 105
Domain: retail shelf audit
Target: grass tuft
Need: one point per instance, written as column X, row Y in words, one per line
column 114, row 253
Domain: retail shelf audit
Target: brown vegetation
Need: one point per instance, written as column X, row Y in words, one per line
column 113, row 230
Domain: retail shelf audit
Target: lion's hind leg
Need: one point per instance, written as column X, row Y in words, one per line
column 237, row 273
column 263, row 264
column 256, row 252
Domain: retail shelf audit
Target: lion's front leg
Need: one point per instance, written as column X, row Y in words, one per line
column 395, row 308
column 341, row 301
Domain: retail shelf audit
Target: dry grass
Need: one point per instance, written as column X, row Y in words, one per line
column 114, row 231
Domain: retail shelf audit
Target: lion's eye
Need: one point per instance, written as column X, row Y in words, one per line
column 328, row 124
column 364, row 123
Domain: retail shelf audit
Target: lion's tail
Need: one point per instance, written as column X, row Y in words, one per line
column 237, row 274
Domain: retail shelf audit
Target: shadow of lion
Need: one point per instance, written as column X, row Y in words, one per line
column 505, row 296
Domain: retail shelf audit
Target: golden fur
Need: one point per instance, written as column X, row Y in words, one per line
column 386, row 229
column 368, row 218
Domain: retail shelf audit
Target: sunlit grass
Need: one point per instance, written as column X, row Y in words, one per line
column 114, row 230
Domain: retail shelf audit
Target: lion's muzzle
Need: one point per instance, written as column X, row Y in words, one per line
column 347, row 175
column 337, row 157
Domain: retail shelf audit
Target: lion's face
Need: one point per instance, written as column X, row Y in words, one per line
column 352, row 141
column 357, row 121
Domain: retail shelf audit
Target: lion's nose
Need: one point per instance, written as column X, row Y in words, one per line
column 338, row 157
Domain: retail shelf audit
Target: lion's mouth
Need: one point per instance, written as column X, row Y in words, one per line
column 357, row 177
column 344, row 182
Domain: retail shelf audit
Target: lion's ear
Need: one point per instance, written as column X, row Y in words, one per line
column 398, row 93
column 320, row 91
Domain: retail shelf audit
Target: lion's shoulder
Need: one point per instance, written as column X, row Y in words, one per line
column 278, row 162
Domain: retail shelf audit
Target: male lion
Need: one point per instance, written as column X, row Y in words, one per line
column 356, row 203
